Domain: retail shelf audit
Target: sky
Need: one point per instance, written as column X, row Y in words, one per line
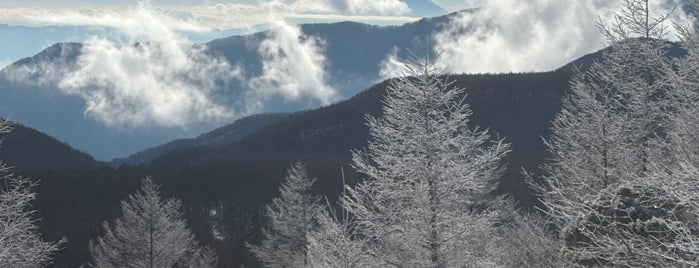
column 228, row 14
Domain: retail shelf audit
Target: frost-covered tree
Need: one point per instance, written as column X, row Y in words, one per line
column 634, row 225
column 634, row 20
column 685, row 83
column 526, row 239
column 337, row 244
column 424, row 169
column 20, row 242
column 613, row 122
column 290, row 219
column 150, row 233
column 607, row 183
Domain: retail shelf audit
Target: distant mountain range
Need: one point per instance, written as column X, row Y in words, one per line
column 353, row 52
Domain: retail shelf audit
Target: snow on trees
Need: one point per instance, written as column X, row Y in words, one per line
column 290, row 219
column 336, row 243
column 425, row 169
column 150, row 233
column 609, row 185
column 525, row 239
column 20, row 242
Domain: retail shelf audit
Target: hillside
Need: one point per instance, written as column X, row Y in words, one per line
column 239, row 129
column 26, row 149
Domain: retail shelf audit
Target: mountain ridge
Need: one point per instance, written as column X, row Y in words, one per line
column 26, row 149
column 353, row 52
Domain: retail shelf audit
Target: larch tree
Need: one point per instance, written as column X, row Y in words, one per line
column 150, row 233
column 602, row 186
column 20, row 241
column 336, row 243
column 290, row 219
column 425, row 169
column 526, row 239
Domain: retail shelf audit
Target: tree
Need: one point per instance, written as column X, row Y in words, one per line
column 526, row 239
column 336, row 243
column 634, row 20
column 612, row 123
column 150, row 233
column 425, row 170
column 631, row 225
column 20, row 242
column 290, row 219
column 607, row 183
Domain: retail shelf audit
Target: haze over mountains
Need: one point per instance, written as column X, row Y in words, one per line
column 113, row 99
column 353, row 52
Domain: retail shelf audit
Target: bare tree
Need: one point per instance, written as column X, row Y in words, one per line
column 290, row 219
column 150, row 233
column 424, row 170
column 634, row 20
column 20, row 242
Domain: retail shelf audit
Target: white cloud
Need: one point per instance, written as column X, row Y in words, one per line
column 155, row 83
column 153, row 78
column 217, row 15
column 382, row 7
column 456, row 5
column 362, row 7
column 391, row 66
column 293, row 66
column 226, row 16
column 517, row 36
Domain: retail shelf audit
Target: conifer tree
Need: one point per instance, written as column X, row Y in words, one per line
column 290, row 219
column 150, row 233
column 608, row 183
column 425, row 169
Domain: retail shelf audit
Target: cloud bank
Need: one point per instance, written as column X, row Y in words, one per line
column 361, row 7
column 219, row 15
column 519, row 36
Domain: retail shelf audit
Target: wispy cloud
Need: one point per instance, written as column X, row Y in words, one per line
column 456, row 5
column 154, row 78
column 293, row 66
column 362, row 7
column 219, row 15
column 392, row 65
column 512, row 35
column 145, row 84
